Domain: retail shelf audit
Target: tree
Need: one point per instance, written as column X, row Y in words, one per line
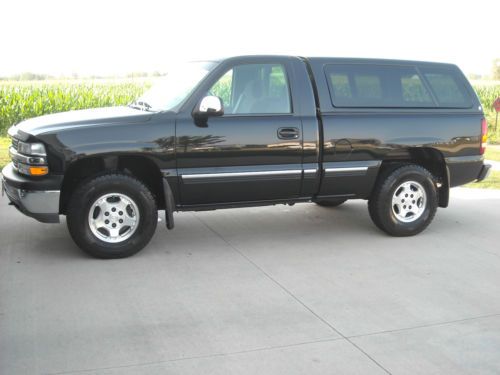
column 496, row 69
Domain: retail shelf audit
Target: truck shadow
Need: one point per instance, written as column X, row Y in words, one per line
column 56, row 242
column 307, row 225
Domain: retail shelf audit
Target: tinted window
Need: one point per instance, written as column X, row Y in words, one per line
column 447, row 87
column 222, row 88
column 363, row 85
column 278, row 86
column 340, row 85
column 254, row 89
column 413, row 90
column 368, row 86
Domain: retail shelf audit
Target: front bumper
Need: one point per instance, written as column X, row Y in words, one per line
column 43, row 205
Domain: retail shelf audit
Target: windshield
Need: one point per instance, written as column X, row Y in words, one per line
column 172, row 89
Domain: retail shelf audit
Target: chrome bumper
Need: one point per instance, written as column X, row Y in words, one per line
column 40, row 204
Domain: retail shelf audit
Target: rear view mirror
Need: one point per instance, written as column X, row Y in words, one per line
column 210, row 106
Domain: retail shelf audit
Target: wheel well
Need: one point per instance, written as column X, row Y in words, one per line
column 429, row 158
column 139, row 167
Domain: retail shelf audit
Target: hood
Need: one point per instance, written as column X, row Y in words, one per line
column 86, row 117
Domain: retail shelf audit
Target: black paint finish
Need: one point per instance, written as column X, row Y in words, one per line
column 245, row 150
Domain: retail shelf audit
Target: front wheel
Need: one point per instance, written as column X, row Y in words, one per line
column 405, row 201
column 112, row 216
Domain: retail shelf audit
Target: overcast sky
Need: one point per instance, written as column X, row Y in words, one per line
column 116, row 37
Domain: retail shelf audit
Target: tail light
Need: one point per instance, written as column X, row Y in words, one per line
column 484, row 136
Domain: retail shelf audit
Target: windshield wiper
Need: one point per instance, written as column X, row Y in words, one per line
column 141, row 105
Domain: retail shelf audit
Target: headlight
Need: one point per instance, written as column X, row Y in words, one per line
column 29, row 158
column 31, row 149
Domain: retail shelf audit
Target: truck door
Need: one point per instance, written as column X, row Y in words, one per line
column 251, row 153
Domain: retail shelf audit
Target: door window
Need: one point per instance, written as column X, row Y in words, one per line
column 254, row 89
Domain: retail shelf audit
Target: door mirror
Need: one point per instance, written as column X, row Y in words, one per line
column 210, row 106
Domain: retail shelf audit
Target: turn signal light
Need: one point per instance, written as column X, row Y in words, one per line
column 484, row 136
column 39, row 171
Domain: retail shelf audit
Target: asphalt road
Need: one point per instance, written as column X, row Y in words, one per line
column 273, row 290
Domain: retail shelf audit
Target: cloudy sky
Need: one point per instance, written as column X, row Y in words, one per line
column 116, row 37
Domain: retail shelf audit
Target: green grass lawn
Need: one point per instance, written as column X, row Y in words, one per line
column 492, row 153
column 492, row 182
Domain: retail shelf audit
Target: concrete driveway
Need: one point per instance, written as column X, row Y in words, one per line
column 273, row 290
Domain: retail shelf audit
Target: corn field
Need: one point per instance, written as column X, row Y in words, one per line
column 487, row 94
column 20, row 100
column 23, row 100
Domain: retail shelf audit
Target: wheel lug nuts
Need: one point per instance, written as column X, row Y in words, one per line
column 106, row 213
column 404, row 207
column 113, row 209
column 120, row 213
column 106, row 221
column 113, row 225
column 121, row 221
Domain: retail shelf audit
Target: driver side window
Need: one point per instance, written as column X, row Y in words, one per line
column 254, row 89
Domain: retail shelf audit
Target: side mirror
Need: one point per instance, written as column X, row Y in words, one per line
column 209, row 106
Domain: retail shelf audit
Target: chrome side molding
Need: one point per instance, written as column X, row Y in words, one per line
column 242, row 174
column 346, row 169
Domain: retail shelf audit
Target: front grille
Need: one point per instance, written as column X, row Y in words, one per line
column 15, row 146
column 15, row 143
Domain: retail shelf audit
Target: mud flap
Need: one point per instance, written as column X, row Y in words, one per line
column 444, row 190
column 169, row 204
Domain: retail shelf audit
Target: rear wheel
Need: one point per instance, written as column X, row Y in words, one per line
column 331, row 202
column 112, row 216
column 405, row 201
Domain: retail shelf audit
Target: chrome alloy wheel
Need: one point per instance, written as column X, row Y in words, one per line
column 408, row 201
column 113, row 217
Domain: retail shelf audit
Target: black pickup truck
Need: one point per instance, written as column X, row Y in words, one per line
column 250, row 131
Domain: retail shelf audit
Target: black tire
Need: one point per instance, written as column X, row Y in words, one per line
column 385, row 216
column 331, row 202
column 84, row 197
